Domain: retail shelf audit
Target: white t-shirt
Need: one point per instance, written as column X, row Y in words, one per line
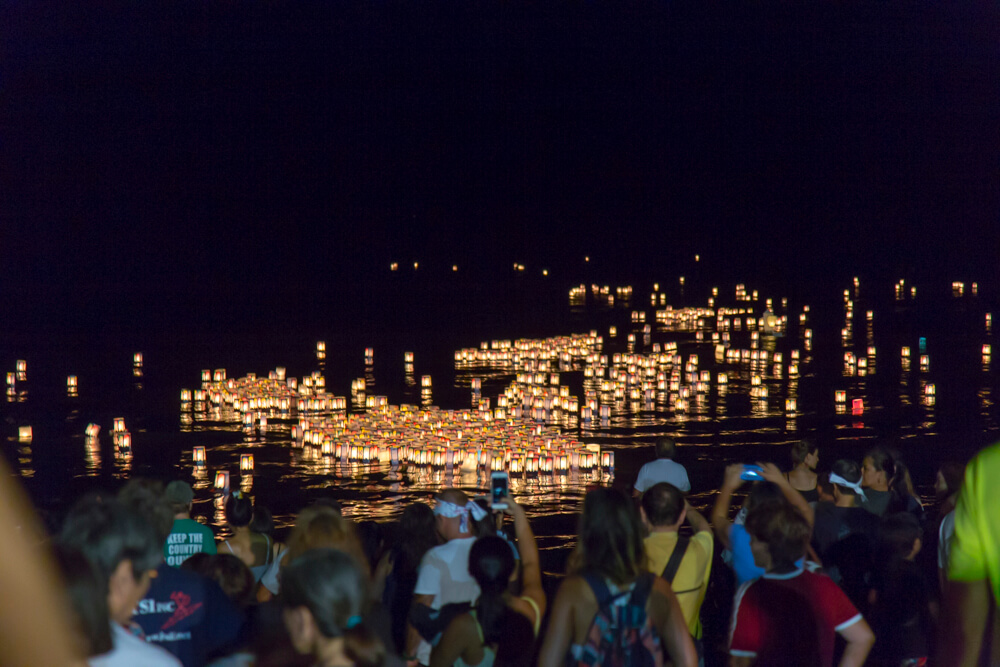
column 444, row 573
column 130, row 651
column 662, row 470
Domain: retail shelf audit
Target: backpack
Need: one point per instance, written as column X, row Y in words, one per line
column 621, row 634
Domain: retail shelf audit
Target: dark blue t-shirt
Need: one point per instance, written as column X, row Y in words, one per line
column 188, row 615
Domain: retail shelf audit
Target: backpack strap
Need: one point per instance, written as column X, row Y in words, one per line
column 640, row 592
column 676, row 556
column 600, row 588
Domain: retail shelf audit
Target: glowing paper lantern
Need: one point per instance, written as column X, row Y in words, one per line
column 246, row 462
column 24, row 433
column 198, row 455
column 222, row 481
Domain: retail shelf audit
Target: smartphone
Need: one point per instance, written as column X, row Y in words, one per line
column 498, row 490
column 751, row 473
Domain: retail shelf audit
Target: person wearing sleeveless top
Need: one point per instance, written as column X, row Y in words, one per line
column 610, row 546
column 802, row 477
column 499, row 624
column 252, row 548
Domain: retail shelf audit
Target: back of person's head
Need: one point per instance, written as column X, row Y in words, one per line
column 850, row 472
column 801, row 449
column 108, row 533
column 897, row 535
column 610, row 536
column 239, row 509
column 178, row 495
column 491, row 564
column 783, row 529
column 332, row 503
column 485, row 526
column 262, row 522
column 320, row 527
column 146, row 497
column 666, row 448
column 762, row 493
column 663, row 503
column 233, row 576
column 454, row 496
column 87, row 598
column 901, row 482
column 197, row 562
column 330, row 586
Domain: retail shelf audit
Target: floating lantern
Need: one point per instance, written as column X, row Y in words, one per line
column 790, row 405
column 137, row 359
column 925, row 362
column 119, row 424
column 198, row 455
column 929, row 390
column 408, row 357
column 92, row 430
column 840, row 396
column 71, row 382
column 246, row 462
column 185, row 395
column 24, row 434
column 608, row 460
column 425, row 381
column 987, row 350
column 222, row 481
column 857, row 406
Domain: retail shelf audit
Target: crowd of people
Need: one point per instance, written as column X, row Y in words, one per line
column 820, row 568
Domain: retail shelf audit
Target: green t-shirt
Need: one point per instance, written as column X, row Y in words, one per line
column 975, row 549
column 188, row 537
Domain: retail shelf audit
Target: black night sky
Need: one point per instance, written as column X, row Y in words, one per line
column 240, row 145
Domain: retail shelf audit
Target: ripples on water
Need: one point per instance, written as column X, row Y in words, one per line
column 661, row 376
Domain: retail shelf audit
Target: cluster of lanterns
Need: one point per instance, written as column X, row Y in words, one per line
column 481, row 439
column 449, row 439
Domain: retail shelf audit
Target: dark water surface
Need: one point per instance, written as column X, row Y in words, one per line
column 95, row 335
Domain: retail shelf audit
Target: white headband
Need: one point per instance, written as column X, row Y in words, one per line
column 840, row 481
column 450, row 510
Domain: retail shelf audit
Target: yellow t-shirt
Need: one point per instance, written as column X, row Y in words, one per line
column 691, row 581
column 975, row 548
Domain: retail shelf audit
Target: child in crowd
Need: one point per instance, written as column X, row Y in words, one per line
column 790, row 616
column 900, row 606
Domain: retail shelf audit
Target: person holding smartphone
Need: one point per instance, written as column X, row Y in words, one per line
column 500, row 626
column 444, row 576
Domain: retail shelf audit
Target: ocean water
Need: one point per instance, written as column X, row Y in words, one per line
column 96, row 334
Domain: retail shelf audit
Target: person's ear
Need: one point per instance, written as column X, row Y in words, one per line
column 684, row 513
column 917, row 546
column 301, row 626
